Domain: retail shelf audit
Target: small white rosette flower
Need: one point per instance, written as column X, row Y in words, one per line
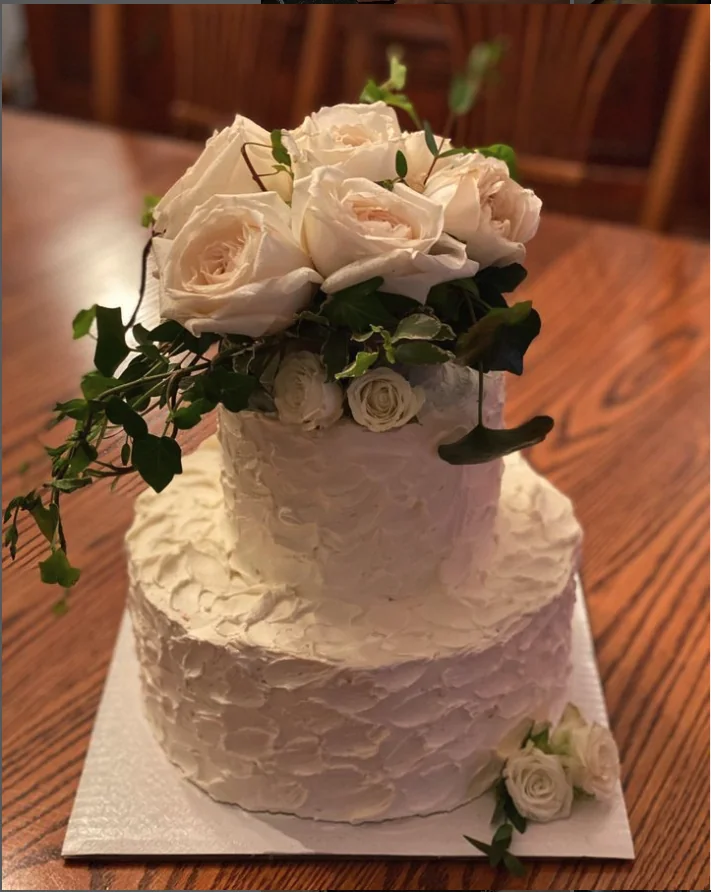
column 538, row 785
column 220, row 170
column 382, row 399
column 589, row 752
column 359, row 139
column 235, row 268
column 354, row 230
column 485, row 208
column 303, row 396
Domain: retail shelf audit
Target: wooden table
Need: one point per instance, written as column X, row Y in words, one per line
column 623, row 366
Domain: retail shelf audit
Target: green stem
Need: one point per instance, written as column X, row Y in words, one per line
column 447, row 130
column 255, row 175
column 142, row 286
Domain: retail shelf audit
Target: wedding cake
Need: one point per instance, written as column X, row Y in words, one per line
column 354, row 603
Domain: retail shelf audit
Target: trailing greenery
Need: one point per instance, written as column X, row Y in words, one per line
column 166, row 369
column 506, row 819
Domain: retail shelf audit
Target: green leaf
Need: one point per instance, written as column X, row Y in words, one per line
column 360, row 365
column 279, row 152
column 111, row 347
column 125, row 453
column 46, row 519
column 430, row 139
column 94, row 384
column 503, row 279
column 57, row 570
column 83, row 321
column 472, row 346
column 513, row 814
column 310, row 316
column 60, row 607
column 84, row 454
column 371, row 92
column 357, row 307
column 10, row 540
column 513, row 865
column 541, row 740
column 503, row 834
column 398, row 305
column 71, row 484
column 188, row 416
column 398, row 71
column 334, row 352
column 483, row 847
column 463, row 150
column 157, row 460
column 149, row 204
column 166, row 332
column 421, row 353
column 120, row 413
column 503, row 153
column 400, row 165
column 422, row 327
column 399, row 100
column 462, row 93
column 482, row 444
column 77, row 409
column 232, row 389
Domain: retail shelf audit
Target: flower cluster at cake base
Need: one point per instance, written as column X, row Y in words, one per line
column 538, row 772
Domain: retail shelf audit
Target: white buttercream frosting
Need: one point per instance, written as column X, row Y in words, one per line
column 352, row 702
column 367, row 516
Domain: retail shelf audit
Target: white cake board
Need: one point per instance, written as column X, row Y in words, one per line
column 133, row 802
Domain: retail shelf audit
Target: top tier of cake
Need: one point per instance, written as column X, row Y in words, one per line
column 359, row 514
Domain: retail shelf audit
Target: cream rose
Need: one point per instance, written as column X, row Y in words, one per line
column 485, row 208
column 381, row 399
column 590, row 754
column 360, row 139
column 220, row 170
column 354, row 230
column 303, row 396
column 539, row 785
column 235, row 268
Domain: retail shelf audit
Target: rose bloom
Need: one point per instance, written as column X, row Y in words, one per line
column 354, row 230
column 589, row 752
column 539, row 785
column 485, row 208
column 303, row 396
column 382, row 399
column 360, row 139
column 220, row 170
column 235, row 268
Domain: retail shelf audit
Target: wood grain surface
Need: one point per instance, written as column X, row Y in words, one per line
column 622, row 364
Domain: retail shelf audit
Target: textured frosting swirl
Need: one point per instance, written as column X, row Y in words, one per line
column 371, row 516
column 325, row 707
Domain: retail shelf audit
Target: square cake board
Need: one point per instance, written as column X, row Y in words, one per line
column 133, row 802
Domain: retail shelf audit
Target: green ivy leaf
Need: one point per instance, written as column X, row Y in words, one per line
column 482, row 444
column 462, row 93
column 421, row 353
column 398, row 71
column 430, row 139
column 46, row 519
column 94, row 384
column 120, row 413
column 111, row 347
column 503, row 153
column 400, row 165
column 503, row 279
column 77, row 409
column 149, row 205
column 371, row 92
column 83, row 321
column 357, row 307
column 232, row 389
column 422, row 327
column 474, row 344
column 187, row 417
column 71, row 484
column 360, row 365
column 84, row 454
column 398, row 305
column 279, row 152
column 10, row 540
column 157, row 460
column 57, row 570
column 334, row 352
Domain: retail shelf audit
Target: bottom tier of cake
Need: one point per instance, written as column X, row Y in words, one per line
column 334, row 710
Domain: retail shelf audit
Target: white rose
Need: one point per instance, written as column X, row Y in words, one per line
column 303, row 396
column 589, row 752
column 354, row 230
column 419, row 158
column 485, row 208
column 235, row 268
column 220, row 170
column 381, row 399
column 539, row 785
column 360, row 139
